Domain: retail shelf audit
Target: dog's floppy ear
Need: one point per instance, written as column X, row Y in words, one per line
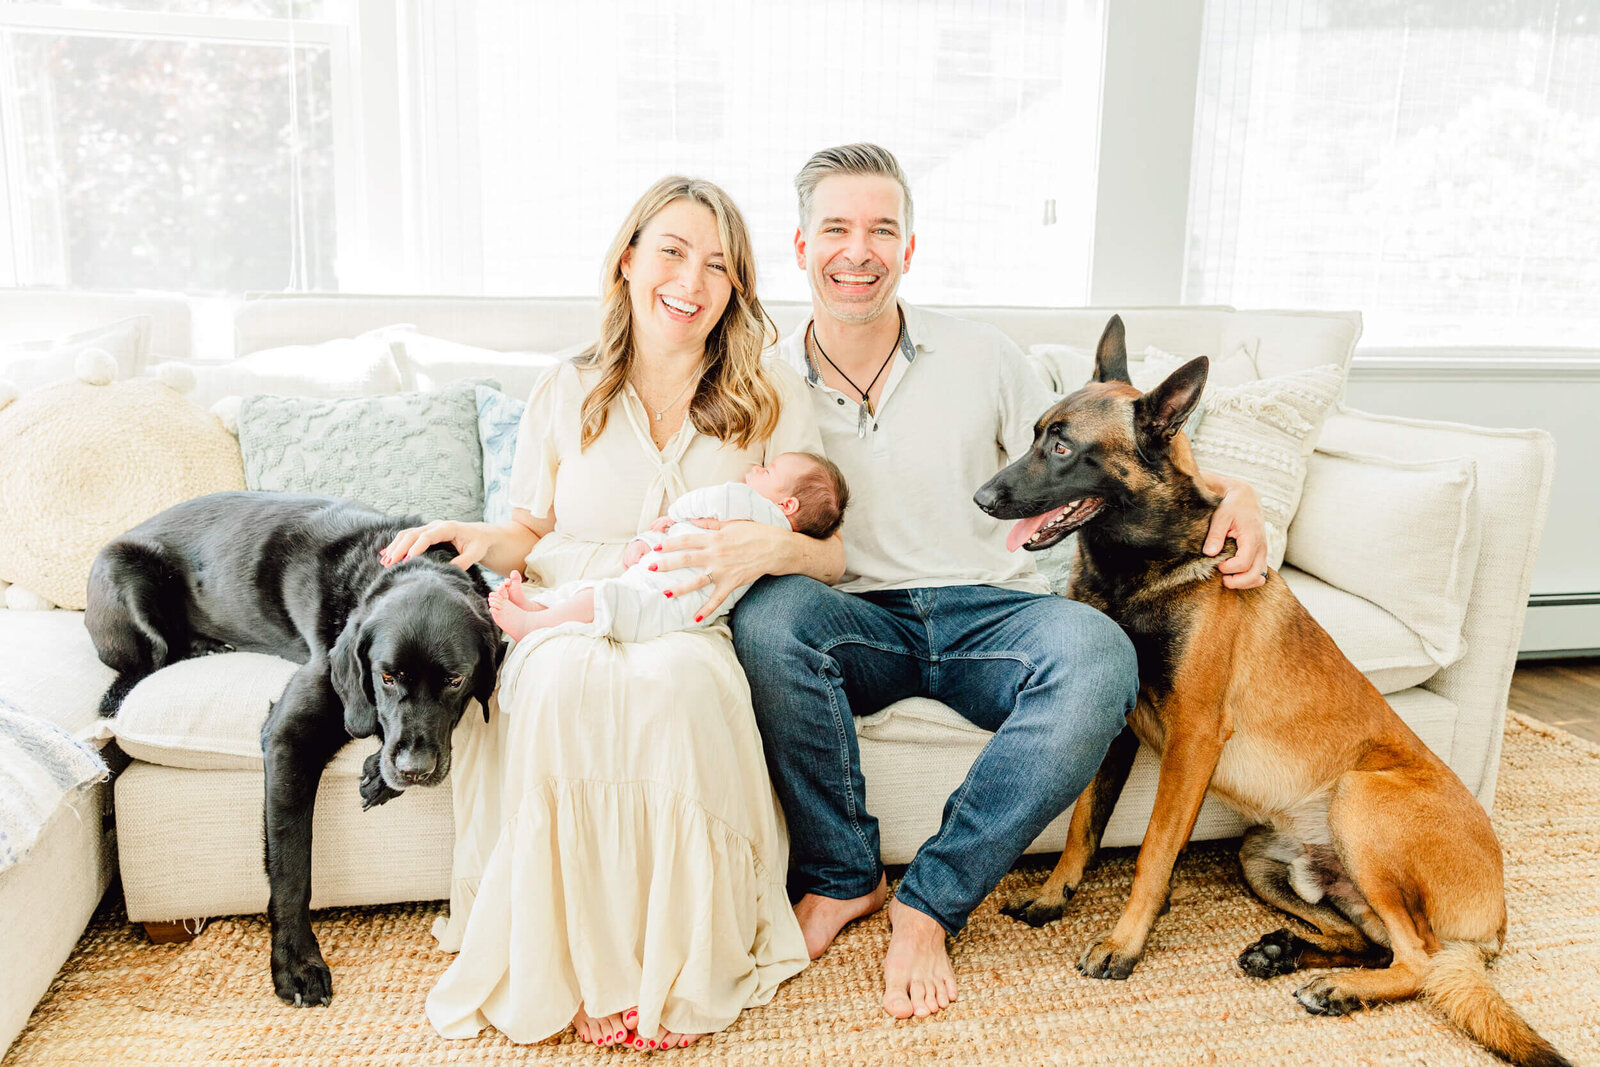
column 1163, row 410
column 491, row 650
column 352, row 678
column 1111, row 354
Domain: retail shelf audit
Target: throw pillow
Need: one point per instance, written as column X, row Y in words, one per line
column 30, row 364
column 499, row 416
column 1262, row 432
column 85, row 462
column 350, row 366
column 1403, row 535
column 410, row 454
column 428, row 363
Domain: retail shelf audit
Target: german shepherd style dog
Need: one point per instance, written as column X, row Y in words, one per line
column 1359, row 830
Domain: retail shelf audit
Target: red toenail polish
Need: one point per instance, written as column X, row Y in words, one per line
column 652, row 1044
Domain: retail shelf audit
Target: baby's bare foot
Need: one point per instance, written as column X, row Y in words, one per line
column 515, row 621
column 517, row 594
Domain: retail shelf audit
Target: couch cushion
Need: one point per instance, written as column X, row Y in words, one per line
column 1355, row 501
column 30, row 364
column 429, row 363
column 206, row 714
column 50, row 669
column 915, row 753
column 406, row 454
column 352, row 366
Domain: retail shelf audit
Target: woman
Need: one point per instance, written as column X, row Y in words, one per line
column 618, row 862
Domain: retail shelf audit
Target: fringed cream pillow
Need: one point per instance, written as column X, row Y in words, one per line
column 1262, row 432
column 86, row 460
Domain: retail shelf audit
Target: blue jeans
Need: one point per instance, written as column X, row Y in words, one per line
column 1052, row 678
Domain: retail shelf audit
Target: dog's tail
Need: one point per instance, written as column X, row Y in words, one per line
column 1458, row 983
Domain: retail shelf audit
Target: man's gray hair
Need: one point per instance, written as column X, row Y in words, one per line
column 860, row 158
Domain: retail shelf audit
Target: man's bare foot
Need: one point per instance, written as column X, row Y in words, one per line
column 604, row 1031
column 917, row 976
column 821, row 918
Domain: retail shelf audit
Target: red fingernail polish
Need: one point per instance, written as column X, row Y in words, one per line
column 656, row 549
column 652, row 566
column 699, row 618
column 669, row 592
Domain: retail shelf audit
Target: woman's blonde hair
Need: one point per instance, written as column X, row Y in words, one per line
column 734, row 402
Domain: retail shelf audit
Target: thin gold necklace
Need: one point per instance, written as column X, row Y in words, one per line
column 669, row 404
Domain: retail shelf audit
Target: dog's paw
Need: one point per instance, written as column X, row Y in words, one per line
column 1036, row 910
column 302, row 979
column 1322, row 996
column 374, row 790
column 1271, row 956
column 1105, row 959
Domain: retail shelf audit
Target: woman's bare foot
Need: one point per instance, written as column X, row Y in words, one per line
column 917, row 976
column 821, row 918
column 604, row 1031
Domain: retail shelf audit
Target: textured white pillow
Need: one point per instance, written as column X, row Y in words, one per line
column 30, row 364
column 1262, row 432
column 1403, row 535
column 1063, row 368
column 431, row 363
column 206, row 714
column 351, row 366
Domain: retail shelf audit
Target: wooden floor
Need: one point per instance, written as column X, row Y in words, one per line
column 1562, row 692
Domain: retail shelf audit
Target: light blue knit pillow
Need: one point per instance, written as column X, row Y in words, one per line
column 403, row 453
column 499, row 415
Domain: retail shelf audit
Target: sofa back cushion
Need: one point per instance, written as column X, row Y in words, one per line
column 1411, row 547
column 28, row 364
column 406, row 454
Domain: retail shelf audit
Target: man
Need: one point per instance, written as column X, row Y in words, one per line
column 919, row 409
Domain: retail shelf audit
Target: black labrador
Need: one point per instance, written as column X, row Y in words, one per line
column 394, row 651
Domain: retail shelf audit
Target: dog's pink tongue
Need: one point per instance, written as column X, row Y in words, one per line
column 1027, row 528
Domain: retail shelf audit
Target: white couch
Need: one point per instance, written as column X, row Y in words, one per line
column 188, row 820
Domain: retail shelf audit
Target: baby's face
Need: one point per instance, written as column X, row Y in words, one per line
column 777, row 482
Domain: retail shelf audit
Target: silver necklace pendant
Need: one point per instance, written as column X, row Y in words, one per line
column 659, row 414
column 861, row 423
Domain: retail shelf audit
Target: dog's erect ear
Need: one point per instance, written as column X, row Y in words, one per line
column 1163, row 410
column 1111, row 355
column 352, row 678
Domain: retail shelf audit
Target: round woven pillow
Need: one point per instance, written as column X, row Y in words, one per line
column 84, row 462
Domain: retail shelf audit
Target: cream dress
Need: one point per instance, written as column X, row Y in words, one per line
column 617, row 841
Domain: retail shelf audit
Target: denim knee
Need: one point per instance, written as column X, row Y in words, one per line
column 771, row 619
column 1093, row 660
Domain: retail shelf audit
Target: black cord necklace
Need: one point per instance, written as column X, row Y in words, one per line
column 865, row 403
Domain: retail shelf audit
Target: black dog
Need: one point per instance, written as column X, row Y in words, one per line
column 397, row 652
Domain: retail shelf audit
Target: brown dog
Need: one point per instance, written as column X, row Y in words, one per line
column 1359, row 830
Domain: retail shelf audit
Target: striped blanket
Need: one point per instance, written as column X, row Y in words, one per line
column 39, row 764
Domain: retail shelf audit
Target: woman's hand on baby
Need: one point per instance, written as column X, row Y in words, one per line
column 471, row 540
column 731, row 553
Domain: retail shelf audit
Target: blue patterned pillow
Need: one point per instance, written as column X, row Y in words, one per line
column 403, row 453
column 498, row 418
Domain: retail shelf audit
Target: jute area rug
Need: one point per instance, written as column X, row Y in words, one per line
column 122, row 1000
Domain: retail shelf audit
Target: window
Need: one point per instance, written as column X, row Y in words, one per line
column 144, row 148
column 1435, row 166
column 991, row 107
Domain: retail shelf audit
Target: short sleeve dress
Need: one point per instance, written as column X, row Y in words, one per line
column 617, row 838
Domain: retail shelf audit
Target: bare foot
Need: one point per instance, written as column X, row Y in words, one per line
column 821, row 918
column 603, row 1031
column 515, row 621
column 663, row 1041
column 917, row 977
column 517, row 594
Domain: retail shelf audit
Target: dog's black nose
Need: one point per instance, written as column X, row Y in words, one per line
column 415, row 766
column 988, row 497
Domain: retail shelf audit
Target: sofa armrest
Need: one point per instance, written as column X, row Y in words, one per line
column 1515, row 468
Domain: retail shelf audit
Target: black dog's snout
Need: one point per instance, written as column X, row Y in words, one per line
column 415, row 765
column 990, row 496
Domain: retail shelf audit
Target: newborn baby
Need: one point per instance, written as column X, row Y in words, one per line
column 800, row 491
